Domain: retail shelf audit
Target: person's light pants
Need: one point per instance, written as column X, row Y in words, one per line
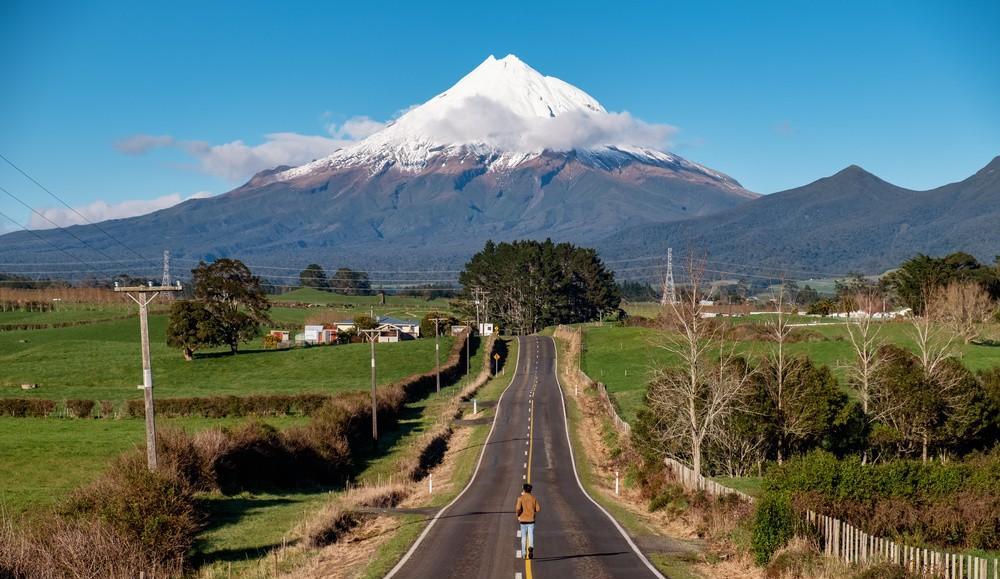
column 527, row 537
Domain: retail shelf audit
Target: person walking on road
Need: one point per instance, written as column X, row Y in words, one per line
column 527, row 506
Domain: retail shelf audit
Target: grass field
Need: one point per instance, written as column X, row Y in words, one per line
column 102, row 362
column 623, row 357
column 41, row 459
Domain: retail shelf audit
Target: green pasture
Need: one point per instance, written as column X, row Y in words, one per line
column 42, row 459
column 624, row 357
column 102, row 361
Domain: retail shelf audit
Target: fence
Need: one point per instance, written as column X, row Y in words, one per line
column 852, row 545
column 619, row 422
column 694, row 481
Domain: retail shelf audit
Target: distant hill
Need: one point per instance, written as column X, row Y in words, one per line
column 476, row 162
column 850, row 221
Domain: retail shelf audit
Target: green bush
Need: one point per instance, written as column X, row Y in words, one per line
column 774, row 524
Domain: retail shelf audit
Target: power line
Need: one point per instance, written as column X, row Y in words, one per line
column 67, row 205
column 61, row 228
column 40, row 238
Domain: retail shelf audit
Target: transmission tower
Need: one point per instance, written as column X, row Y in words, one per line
column 166, row 268
column 669, row 291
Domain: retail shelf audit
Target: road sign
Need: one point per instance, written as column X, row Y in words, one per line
column 496, row 356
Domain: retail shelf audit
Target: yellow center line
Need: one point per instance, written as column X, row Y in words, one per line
column 527, row 569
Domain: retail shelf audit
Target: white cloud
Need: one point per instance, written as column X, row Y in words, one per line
column 139, row 144
column 482, row 120
column 237, row 161
column 355, row 128
column 102, row 210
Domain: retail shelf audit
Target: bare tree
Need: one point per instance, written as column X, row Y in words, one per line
column 781, row 366
column 935, row 347
column 961, row 306
column 692, row 398
column 864, row 333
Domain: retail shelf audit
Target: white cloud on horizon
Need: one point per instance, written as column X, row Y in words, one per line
column 483, row 120
column 238, row 161
column 102, row 210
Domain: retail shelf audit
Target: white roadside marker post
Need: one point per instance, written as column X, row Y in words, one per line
column 616, row 483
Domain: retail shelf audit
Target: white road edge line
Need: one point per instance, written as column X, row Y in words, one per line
column 628, row 539
column 413, row 548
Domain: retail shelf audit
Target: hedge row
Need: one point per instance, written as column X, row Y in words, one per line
column 55, row 325
column 22, row 407
column 953, row 505
column 231, row 406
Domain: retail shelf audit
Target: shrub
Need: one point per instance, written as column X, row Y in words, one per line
column 107, row 409
column 154, row 511
column 80, row 408
column 773, row 525
column 26, row 407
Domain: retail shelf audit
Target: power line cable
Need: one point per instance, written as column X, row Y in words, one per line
column 40, row 238
column 67, row 205
column 61, row 228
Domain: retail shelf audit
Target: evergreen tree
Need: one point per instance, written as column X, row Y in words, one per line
column 533, row 284
column 313, row 276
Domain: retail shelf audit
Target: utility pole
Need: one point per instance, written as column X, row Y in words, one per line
column 468, row 360
column 669, row 290
column 437, row 351
column 372, row 337
column 476, row 291
column 143, row 295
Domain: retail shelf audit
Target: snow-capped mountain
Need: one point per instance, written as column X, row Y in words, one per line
column 505, row 153
column 501, row 115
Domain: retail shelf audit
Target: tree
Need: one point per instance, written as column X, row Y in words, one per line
column 917, row 401
column 314, row 276
column 346, row 281
column 235, row 298
column 427, row 326
column 692, row 399
column 915, row 280
column 807, row 296
column 802, row 399
column 365, row 322
column 864, row 334
column 191, row 327
column 807, row 412
column 961, row 306
column 533, row 284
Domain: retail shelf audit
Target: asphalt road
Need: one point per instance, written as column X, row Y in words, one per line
column 476, row 535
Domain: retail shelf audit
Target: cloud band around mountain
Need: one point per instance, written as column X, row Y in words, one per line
column 101, row 210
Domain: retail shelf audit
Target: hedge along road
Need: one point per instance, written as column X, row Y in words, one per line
column 476, row 534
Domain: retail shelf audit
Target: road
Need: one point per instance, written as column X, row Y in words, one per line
column 476, row 535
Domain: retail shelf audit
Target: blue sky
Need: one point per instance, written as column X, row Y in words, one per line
column 776, row 94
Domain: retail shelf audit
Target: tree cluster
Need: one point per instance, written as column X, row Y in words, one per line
column 529, row 285
column 228, row 308
column 345, row 280
column 729, row 413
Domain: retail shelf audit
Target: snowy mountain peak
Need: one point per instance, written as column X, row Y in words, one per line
column 502, row 114
column 520, row 88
